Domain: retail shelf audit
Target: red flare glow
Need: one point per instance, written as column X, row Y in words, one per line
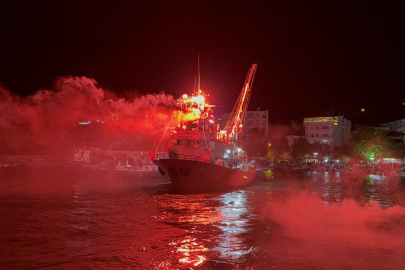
column 185, row 115
column 152, row 155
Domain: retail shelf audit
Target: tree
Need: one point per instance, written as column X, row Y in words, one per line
column 323, row 150
column 300, row 148
column 369, row 144
column 344, row 152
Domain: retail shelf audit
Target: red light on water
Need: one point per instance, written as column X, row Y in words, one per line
column 189, row 250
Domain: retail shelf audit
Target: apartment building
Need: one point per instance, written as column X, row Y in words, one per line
column 257, row 119
column 254, row 119
column 334, row 131
column 397, row 125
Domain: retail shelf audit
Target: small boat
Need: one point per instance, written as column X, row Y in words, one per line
column 201, row 157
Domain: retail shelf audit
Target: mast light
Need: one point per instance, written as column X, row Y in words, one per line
column 198, row 98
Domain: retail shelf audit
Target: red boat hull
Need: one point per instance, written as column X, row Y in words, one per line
column 196, row 176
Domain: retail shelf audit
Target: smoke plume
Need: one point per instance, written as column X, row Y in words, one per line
column 48, row 121
column 332, row 236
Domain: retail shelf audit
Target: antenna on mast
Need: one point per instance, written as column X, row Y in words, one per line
column 198, row 88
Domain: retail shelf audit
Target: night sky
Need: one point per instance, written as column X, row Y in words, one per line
column 313, row 57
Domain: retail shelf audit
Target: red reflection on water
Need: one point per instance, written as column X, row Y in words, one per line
column 191, row 252
column 195, row 212
column 215, row 227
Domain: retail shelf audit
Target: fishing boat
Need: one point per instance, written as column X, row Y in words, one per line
column 199, row 156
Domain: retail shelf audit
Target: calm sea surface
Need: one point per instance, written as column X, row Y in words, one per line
column 54, row 219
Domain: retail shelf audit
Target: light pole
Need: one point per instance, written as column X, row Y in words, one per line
column 268, row 146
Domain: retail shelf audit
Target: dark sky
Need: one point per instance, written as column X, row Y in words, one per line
column 312, row 56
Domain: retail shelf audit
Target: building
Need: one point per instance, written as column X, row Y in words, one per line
column 257, row 119
column 334, row 131
column 254, row 120
column 398, row 126
column 396, row 138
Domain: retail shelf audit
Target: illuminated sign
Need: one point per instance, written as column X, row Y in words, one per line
column 321, row 119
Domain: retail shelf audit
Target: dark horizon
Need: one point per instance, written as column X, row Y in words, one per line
column 313, row 58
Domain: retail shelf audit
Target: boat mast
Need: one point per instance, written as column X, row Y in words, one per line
column 198, row 88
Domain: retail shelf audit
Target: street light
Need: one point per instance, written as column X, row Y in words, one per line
column 268, row 145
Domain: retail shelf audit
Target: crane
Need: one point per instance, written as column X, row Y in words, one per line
column 236, row 122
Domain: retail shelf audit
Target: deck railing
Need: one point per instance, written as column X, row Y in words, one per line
column 182, row 156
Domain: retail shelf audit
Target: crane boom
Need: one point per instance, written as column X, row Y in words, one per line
column 236, row 122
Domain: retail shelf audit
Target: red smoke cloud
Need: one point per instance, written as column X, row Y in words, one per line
column 307, row 216
column 336, row 236
column 49, row 119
